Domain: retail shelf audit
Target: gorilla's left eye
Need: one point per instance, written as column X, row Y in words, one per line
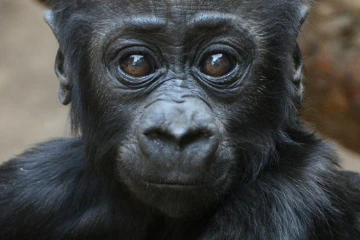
column 217, row 64
column 137, row 65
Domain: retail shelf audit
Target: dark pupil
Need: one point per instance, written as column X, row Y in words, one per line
column 135, row 65
column 216, row 65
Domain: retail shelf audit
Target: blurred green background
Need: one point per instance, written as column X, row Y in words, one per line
column 30, row 112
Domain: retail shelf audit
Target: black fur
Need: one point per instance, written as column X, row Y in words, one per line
column 277, row 180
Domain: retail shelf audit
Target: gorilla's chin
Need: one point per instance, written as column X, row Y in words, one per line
column 175, row 200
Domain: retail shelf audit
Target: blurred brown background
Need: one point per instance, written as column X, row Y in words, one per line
column 30, row 112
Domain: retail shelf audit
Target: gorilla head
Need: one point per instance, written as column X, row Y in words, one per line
column 179, row 100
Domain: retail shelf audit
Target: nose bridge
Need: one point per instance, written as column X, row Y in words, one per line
column 174, row 90
column 178, row 115
column 175, row 57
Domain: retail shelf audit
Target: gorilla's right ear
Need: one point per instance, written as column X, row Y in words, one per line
column 60, row 64
column 50, row 20
column 62, row 74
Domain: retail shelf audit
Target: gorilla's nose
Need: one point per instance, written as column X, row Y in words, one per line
column 179, row 136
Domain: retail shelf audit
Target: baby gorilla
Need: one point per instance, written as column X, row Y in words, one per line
column 186, row 125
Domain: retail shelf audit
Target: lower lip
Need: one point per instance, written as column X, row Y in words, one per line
column 174, row 186
column 184, row 186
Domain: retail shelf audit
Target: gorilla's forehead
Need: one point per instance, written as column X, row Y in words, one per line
column 175, row 16
column 172, row 10
column 181, row 11
column 148, row 5
column 167, row 16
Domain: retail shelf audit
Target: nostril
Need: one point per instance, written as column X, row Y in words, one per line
column 152, row 133
column 194, row 136
column 180, row 138
column 159, row 135
column 205, row 133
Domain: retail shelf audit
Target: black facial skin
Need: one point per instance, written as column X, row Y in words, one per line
column 186, row 116
column 178, row 141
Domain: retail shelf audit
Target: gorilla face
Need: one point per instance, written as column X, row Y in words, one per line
column 180, row 95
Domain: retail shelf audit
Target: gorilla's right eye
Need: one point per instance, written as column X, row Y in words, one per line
column 137, row 65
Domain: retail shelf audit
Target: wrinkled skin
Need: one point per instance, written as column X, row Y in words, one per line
column 187, row 120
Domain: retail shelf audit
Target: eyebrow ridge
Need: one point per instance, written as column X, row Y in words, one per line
column 146, row 24
column 210, row 21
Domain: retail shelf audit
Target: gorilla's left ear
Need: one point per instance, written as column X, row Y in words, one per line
column 298, row 71
column 303, row 13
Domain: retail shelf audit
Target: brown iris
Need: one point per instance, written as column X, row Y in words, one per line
column 216, row 65
column 136, row 65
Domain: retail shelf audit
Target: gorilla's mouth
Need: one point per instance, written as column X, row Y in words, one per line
column 181, row 197
column 184, row 184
